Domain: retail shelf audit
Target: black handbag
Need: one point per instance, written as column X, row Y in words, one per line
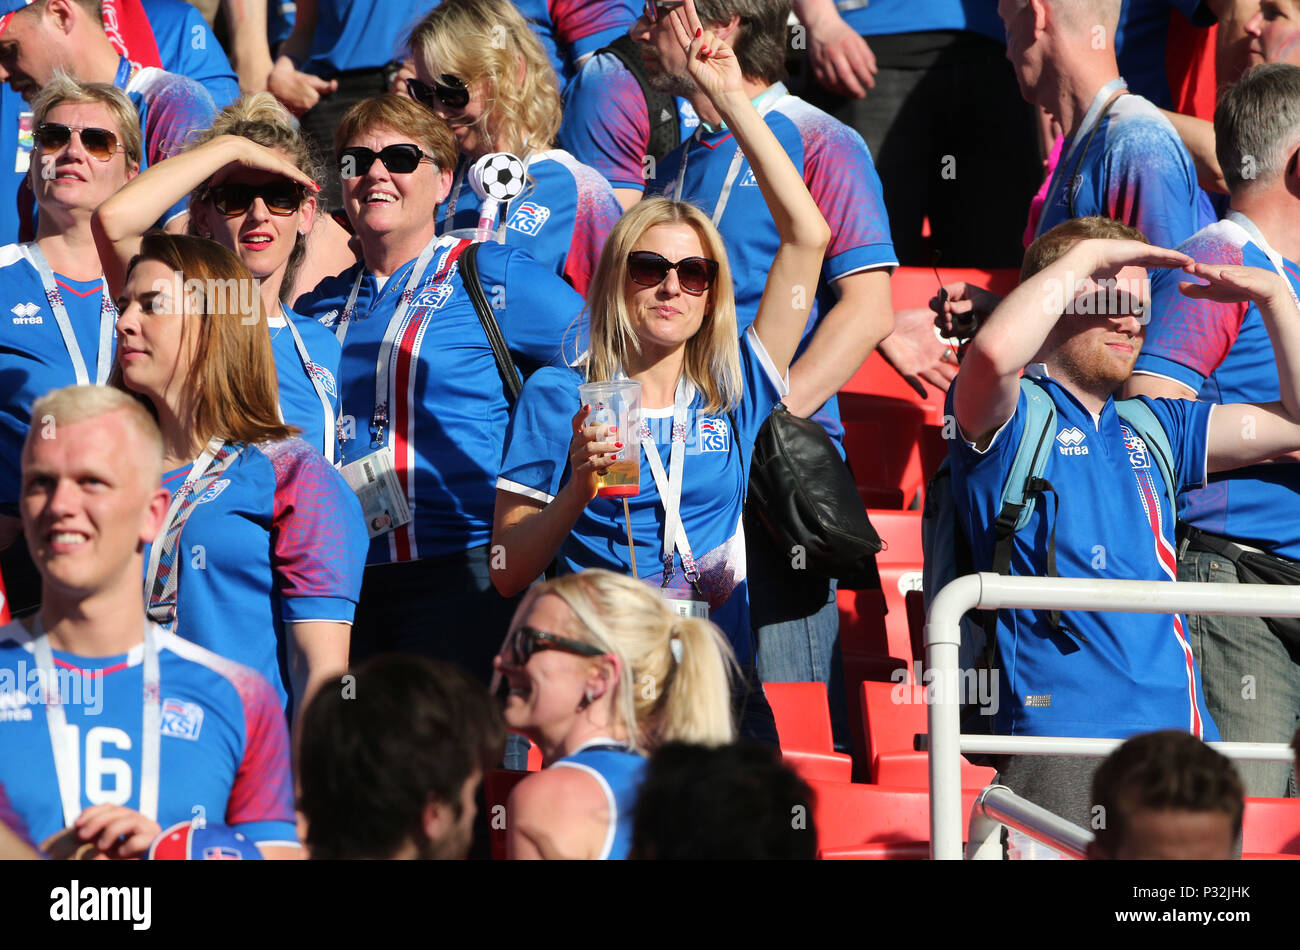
column 1255, row 567
column 801, row 491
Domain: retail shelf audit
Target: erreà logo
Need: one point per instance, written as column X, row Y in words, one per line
column 1071, row 441
column 26, row 313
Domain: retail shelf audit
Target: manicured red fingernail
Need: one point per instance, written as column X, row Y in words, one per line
column 705, row 51
column 618, row 445
column 699, row 31
column 586, row 406
column 613, row 428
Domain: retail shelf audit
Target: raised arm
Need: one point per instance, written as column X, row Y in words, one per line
column 121, row 221
column 792, row 280
column 988, row 385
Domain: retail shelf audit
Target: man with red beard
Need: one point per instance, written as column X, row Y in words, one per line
column 1103, row 507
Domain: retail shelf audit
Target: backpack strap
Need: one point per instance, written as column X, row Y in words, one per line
column 665, row 129
column 505, row 365
column 1020, row 491
column 1137, row 413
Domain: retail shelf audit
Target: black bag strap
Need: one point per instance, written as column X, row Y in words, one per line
column 665, row 129
column 505, row 365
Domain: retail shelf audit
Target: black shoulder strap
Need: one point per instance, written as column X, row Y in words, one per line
column 505, row 365
column 665, row 130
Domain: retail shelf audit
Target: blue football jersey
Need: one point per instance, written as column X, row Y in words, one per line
column 1222, row 352
column 619, row 772
column 561, row 218
column 607, row 122
column 448, row 421
column 1107, row 675
column 300, row 402
column 188, row 47
column 224, row 751
column 1135, row 169
column 34, row 355
column 277, row 539
column 716, row 474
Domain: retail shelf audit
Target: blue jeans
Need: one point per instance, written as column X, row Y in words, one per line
column 799, row 649
column 1251, row 685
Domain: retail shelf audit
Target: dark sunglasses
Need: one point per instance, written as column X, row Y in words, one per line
column 399, row 159
column 282, row 198
column 446, row 89
column 654, row 9
column 98, row 143
column 524, row 642
column 696, row 274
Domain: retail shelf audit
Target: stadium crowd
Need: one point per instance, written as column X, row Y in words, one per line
column 315, row 520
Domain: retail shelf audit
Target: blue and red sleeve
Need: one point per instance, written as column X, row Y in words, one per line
column 584, row 26
column 318, row 536
column 596, row 213
column 1188, row 338
column 261, row 799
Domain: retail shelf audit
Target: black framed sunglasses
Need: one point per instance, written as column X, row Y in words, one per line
column 695, row 274
column 525, row 641
column 654, row 9
column 401, row 159
column 98, row 143
column 447, row 89
column 281, row 198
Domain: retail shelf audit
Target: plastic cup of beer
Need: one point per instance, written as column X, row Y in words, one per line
column 617, row 403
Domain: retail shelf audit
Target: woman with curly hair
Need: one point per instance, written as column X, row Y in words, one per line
column 482, row 69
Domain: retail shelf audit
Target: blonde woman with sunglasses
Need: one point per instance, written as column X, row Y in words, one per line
column 599, row 671
column 663, row 313
column 251, row 179
column 58, row 330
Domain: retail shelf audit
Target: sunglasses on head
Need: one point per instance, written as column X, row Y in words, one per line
column 525, row 641
column 98, row 143
column 280, row 197
column 695, row 274
column 654, row 9
column 399, row 159
column 446, row 89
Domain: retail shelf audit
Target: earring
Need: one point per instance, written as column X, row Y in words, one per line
column 589, row 696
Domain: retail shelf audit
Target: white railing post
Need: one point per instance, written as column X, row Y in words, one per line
column 995, row 591
column 942, row 640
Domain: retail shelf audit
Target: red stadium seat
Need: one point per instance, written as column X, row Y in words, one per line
column 874, row 821
column 803, row 724
column 893, row 715
column 882, row 436
column 1271, row 826
column 862, row 622
column 900, row 571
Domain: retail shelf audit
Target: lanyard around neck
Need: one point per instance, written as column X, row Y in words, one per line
column 670, row 486
column 107, row 317
column 308, row 367
column 767, row 102
column 1258, row 239
column 180, row 499
column 66, row 746
column 1101, row 105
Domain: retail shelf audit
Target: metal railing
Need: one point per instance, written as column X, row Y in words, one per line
column 997, row 805
column 995, row 592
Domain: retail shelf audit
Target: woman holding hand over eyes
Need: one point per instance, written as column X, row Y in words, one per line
column 252, row 180
column 662, row 311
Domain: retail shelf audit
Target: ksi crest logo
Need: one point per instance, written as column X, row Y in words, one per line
column 529, row 218
column 181, row 720
column 217, row 488
column 1137, row 450
column 714, row 435
column 433, row 298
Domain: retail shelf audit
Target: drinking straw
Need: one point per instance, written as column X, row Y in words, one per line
column 631, row 549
